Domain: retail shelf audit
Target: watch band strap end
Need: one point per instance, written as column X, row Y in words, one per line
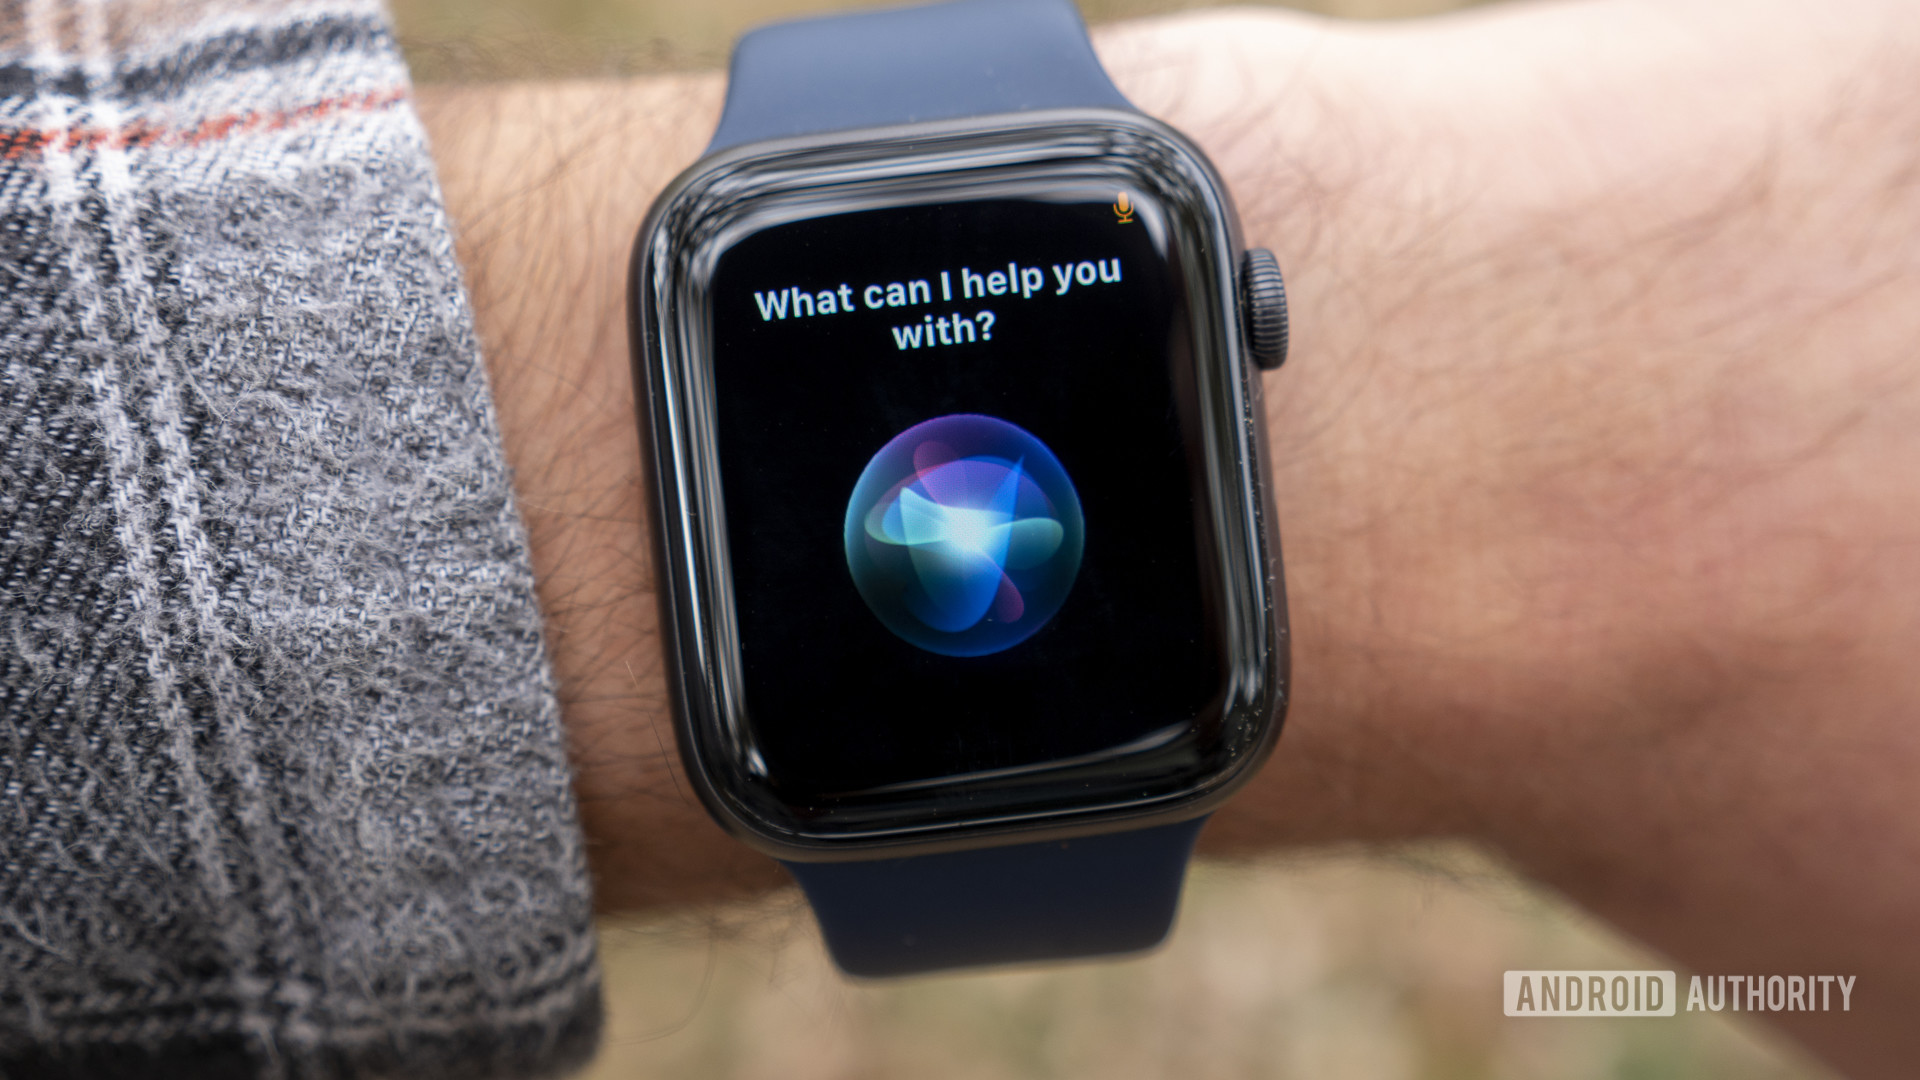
column 1028, row 903
column 903, row 65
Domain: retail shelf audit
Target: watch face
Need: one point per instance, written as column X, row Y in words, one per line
column 960, row 450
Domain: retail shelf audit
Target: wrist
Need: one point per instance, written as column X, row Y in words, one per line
column 1436, row 603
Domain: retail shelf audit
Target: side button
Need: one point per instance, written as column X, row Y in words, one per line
column 1264, row 299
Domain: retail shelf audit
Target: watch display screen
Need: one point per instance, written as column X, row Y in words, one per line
column 963, row 494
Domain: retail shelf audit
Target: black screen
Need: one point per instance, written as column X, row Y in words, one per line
column 833, row 335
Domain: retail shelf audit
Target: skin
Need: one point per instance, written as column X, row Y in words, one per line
column 1594, row 456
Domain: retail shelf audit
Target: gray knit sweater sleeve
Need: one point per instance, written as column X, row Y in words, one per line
column 282, row 786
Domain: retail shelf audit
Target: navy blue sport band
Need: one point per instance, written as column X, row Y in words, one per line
column 1091, row 896
column 1094, row 896
column 904, row 65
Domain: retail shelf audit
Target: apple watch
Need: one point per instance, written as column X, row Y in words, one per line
column 950, row 361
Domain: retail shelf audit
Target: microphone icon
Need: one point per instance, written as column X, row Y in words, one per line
column 1123, row 209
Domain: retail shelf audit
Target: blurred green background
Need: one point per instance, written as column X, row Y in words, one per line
column 1370, row 965
column 487, row 39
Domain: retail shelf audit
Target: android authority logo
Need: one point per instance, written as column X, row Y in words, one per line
column 964, row 535
column 1123, row 209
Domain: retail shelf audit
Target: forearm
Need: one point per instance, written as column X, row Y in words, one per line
column 1596, row 465
column 1591, row 457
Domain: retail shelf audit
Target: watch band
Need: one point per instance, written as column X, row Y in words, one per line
column 898, row 66
column 1094, row 896
column 1091, row 896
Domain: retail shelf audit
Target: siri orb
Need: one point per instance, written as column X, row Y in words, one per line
column 964, row 535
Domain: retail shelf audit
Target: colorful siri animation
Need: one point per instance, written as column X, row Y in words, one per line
column 964, row 535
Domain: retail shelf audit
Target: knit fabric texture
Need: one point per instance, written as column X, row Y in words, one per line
column 283, row 791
